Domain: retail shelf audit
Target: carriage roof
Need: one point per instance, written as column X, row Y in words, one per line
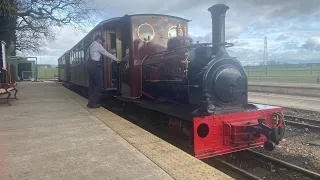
column 115, row 19
column 134, row 15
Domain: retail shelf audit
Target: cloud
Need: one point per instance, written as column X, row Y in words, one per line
column 240, row 43
column 233, row 32
column 282, row 37
column 67, row 38
column 286, row 23
column 312, row 44
column 202, row 39
column 246, row 55
column 290, row 45
column 284, row 8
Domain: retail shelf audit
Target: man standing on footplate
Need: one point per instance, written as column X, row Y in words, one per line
column 94, row 68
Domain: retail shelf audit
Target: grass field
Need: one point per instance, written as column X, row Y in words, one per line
column 289, row 72
column 48, row 73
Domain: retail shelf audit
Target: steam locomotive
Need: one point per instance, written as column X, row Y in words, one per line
column 162, row 70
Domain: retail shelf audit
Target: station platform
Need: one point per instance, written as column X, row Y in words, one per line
column 49, row 133
column 286, row 88
column 286, row 100
column 284, row 84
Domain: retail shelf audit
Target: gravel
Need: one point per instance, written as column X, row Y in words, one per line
column 262, row 169
column 296, row 150
column 301, row 113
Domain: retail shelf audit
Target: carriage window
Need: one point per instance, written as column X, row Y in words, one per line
column 146, row 32
column 113, row 40
column 82, row 56
column 173, row 32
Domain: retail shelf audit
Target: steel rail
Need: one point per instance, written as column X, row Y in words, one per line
column 240, row 171
column 314, row 121
column 303, row 125
column 302, row 119
column 281, row 163
column 309, row 123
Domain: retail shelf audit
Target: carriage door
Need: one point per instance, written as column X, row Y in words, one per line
column 109, row 46
column 116, row 66
column 113, row 46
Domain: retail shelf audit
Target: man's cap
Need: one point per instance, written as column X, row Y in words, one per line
column 99, row 37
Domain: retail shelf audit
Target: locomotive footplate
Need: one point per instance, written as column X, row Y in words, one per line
column 225, row 133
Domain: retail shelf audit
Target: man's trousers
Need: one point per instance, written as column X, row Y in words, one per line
column 95, row 81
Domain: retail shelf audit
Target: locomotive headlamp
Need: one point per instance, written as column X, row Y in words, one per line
column 277, row 118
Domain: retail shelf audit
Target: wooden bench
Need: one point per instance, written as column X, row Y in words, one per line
column 6, row 89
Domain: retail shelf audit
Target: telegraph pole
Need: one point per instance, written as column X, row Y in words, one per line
column 265, row 54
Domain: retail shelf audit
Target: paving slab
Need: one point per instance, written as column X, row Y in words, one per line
column 47, row 135
column 287, row 88
column 286, row 100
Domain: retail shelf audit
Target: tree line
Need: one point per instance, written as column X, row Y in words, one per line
column 28, row 25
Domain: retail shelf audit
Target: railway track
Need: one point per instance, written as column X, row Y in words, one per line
column 282, row 164
column 270, row 165
column 243, row 173
column 302, row 122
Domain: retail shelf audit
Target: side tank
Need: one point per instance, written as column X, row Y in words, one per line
column 165, row 73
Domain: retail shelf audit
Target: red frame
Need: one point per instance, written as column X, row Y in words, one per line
column 8, row 73
column 225, row 132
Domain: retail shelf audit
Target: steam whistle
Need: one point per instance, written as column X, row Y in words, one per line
column 178, row 29
column 184, row 31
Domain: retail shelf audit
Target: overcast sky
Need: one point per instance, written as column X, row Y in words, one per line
column 292, row 26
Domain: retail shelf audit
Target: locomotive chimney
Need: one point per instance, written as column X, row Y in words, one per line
column 218, row 15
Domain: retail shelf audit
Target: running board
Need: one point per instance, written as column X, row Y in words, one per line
column 110, row 92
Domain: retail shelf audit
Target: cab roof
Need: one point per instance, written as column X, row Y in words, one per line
column 102, row 23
